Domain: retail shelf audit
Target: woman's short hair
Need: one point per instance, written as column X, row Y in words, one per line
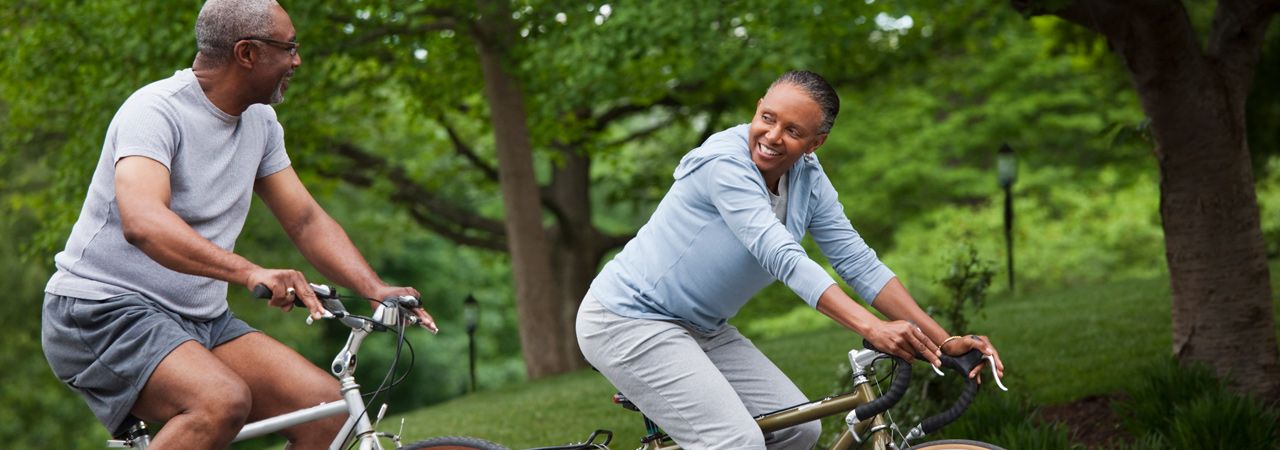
column 819, row 90
column 222, row 23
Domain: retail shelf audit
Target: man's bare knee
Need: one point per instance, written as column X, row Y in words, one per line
column 223, row 406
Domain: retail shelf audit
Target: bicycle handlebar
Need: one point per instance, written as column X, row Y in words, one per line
column 902, row 377
column 332, row 302
column 322, row 291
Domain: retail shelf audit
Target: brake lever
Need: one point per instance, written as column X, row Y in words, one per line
column 991, row 362
column 327, row 315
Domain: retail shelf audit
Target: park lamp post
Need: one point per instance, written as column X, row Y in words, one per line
column 1007, row 174
column 471, row 313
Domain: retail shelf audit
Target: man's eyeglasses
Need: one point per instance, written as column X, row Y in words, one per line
column 292, row 47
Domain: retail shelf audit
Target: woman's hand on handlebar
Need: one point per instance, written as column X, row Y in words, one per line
column 982, row 344
column 904, row 340
column 424, row 319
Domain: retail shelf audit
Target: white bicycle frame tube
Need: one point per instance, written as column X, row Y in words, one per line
column 352, row 402
column 277, row 423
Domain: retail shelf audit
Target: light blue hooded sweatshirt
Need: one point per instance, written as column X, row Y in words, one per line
column 714, row 241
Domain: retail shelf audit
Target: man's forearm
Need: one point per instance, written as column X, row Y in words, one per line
column 328, row 248
column 167, row 239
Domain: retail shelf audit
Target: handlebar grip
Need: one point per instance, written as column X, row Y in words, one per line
column 901, row 379
column 940, row 420
column 321, row 290
column 963, row 363
column 403, row 301
column 262, row 291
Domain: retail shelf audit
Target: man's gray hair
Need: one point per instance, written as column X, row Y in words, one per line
column 222, row 23
column 819, row 90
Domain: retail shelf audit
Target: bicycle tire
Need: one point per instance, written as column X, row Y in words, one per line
column 453, row 443
column 955, row 444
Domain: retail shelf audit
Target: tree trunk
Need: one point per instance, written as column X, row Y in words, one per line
column 577, row 243
column 1221, row 286
column 1222, row 309
column 538, row 305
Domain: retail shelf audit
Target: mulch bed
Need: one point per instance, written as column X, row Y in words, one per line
column 1090, row 421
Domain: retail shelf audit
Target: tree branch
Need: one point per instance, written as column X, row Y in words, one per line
column 1154, row 37
column 1235, row 42
column 433, row 212
column 642, row 133
column 712, row 119
column 618, row 112
column 412, row 30
column 609, row 242
column 466, row 151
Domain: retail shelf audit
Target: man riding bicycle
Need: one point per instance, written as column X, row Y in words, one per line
column 135, row 319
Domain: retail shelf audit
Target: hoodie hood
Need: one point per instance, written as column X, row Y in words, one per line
column 732, row 141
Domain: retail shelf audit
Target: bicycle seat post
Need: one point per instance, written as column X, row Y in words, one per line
column 135, row 437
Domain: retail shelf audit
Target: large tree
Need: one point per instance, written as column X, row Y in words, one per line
column 525, row 97
column 554, row 101
column 1194, row 90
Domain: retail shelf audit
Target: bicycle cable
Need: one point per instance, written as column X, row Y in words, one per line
column 893, row 369
column 387, row 383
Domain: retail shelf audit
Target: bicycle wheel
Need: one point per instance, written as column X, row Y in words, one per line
column 453, row 443
column 955, row 444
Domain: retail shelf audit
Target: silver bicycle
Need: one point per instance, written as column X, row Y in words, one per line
column 393, row 315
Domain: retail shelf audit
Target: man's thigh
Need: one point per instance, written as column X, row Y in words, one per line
column 107, row 350
column 188, row 379
column 279, row 378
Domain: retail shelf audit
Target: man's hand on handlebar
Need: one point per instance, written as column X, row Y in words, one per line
column 287, row 287
column 384, row 292
column 904, row 340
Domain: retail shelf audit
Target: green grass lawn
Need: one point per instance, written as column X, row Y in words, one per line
column 1057, row 346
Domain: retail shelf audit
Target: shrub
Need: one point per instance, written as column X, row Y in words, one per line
column 1190, row 408
column 966, row 285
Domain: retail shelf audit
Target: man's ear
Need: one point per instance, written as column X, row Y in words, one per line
column 817, row 142
column 244, row 55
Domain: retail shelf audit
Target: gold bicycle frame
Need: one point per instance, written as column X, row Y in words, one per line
column 879, row 438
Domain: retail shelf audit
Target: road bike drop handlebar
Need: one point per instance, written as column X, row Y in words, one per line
column 963, row 364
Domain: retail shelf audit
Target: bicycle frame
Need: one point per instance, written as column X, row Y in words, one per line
column 358, row 424
column 343, row 367
column 876, row 428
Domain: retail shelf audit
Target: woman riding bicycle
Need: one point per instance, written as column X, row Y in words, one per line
column 655, row 319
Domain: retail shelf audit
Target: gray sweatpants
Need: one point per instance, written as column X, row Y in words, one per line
column 702, row 388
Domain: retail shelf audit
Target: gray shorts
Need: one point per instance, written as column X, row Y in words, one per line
column 106, row 350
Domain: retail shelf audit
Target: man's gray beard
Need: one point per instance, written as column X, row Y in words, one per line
column 277, row 97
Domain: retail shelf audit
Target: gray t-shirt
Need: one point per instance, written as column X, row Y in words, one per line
column 213, row 159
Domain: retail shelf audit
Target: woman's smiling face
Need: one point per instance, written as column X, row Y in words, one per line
column 785, row 128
